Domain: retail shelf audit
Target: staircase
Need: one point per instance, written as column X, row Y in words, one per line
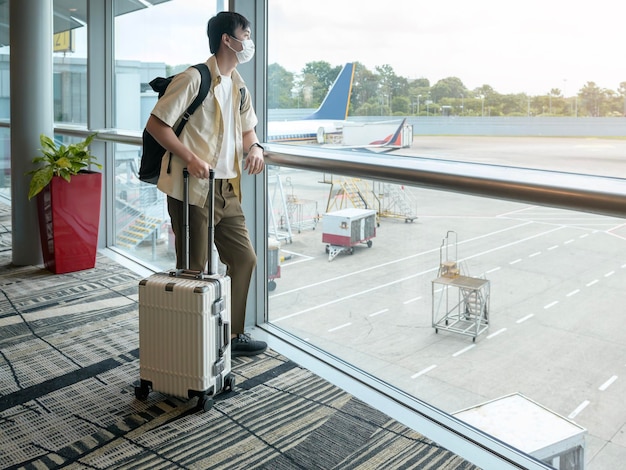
column 137, row 225
column 140, row 229
column 473, row 304
column 398, row 202
column 352, row 192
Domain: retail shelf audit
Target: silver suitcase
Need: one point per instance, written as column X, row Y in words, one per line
column 184, row 328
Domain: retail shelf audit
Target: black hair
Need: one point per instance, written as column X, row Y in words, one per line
column 224, row 22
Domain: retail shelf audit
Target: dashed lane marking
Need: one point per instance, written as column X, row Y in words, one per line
column 345, row 325
column 379, row 312
column 578, row 409
column 607, row 384
column 423, row 371
column 496, row 333
column 464, row 350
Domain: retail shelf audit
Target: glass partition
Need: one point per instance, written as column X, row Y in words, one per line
column 434, row 74
column 457, row 300
column 70, row 62
column 157, row 41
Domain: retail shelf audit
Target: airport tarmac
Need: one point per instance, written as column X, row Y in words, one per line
column 586, row 155
column 556, row 282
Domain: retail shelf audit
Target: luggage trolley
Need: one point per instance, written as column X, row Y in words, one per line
column 346, row 228
column 460, row 302
column 273, row 263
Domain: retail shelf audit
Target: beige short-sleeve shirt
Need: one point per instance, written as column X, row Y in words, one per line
column 204, row 132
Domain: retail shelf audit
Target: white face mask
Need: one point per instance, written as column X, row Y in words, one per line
column 245, row 54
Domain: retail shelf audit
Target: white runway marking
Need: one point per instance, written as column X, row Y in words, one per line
column 525, row 209
column 578, row 409
column 574, row 292
column 339, row 327
column 595, row 281
column 396, row 281
column 523, row 319
column 515, row 261
column 537, row 253
column 607, row 384
column 297, row 258
column 464, row 350
column 411, row 300
column 568, row 241
column 493, row 270
column 610, row 273
column 551, row 304
column 379, row 312
column 424, row 371
column 553, row 247
column 496, row 333
column 417, row 255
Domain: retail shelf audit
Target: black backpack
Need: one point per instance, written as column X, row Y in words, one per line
column 153, row 152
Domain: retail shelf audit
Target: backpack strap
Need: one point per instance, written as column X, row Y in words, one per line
column 242, row 92
column 205, row 86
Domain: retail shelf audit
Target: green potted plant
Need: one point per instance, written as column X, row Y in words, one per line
column 68, row 196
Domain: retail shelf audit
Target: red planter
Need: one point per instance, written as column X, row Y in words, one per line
column 69, row 218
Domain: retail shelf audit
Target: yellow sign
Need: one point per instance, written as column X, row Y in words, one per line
column 64, row 42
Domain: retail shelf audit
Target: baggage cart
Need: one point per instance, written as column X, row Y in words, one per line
column 346, row 228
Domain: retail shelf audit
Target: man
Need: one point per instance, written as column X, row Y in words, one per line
column 217, row 136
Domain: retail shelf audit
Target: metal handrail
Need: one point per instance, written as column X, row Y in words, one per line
column 588, row 193
column 601, row 195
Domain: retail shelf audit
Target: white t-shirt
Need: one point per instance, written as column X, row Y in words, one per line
column 226, row 162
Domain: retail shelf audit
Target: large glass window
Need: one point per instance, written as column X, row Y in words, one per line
column 157, row 41
column 70, row 62
column 461, row 68
column 455, row 299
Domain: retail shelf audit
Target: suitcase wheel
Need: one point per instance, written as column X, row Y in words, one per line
column 205, row 402
column 229, row 383
column 142, row 391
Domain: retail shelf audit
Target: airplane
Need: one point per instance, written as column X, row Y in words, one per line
column 328, row 119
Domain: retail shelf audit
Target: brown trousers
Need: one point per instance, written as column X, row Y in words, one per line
column 231, row 239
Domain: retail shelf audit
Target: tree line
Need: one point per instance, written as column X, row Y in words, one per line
column 383, row 93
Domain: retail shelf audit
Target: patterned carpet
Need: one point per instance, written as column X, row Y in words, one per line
column 69, row 362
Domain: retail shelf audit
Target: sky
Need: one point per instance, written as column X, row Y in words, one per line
column 529, row 47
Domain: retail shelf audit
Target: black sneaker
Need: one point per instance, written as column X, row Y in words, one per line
column 244, row 345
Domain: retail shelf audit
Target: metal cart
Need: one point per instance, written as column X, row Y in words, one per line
column 460, row 303
column 273, row 263
column 346, row 228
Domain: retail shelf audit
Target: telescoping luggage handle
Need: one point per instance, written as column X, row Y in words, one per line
column 219, row 304
column 212, row 264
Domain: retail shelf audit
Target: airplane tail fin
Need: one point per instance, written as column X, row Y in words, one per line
column 392, row 140
column 337, row 100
